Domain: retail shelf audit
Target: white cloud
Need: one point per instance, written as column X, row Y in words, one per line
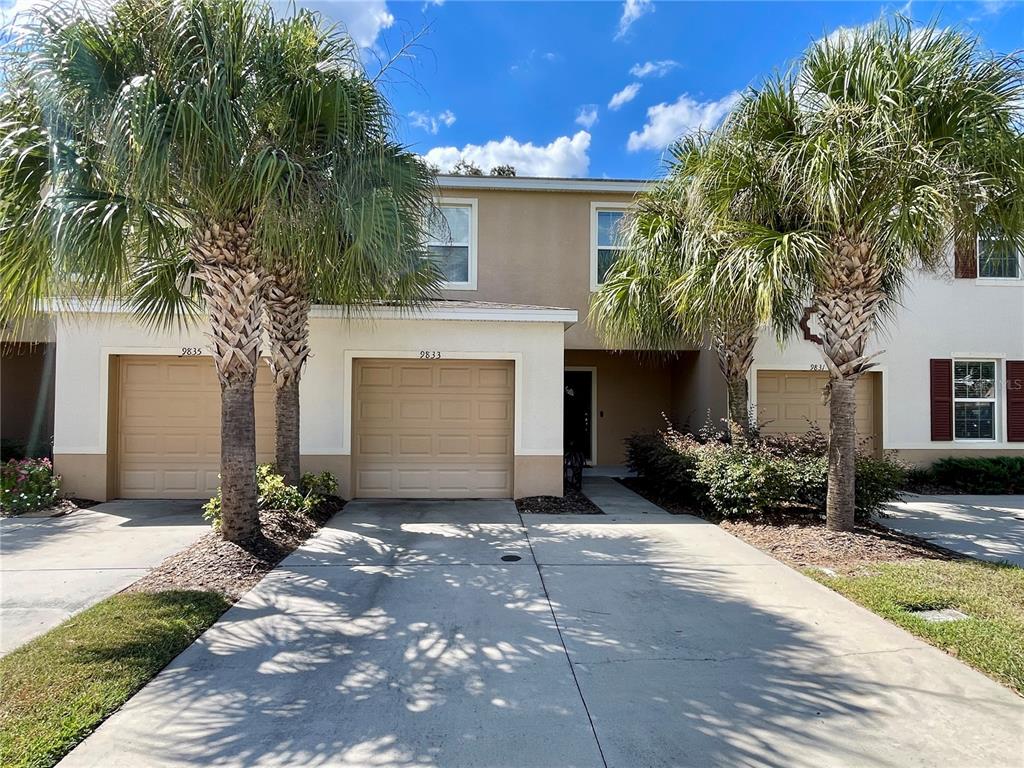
column 624, row 96
column 565, row 156
column 631, row 11
column 587, row 115
column 432, row 123
column 668, row 122
column 653, row 68
column 364, row 20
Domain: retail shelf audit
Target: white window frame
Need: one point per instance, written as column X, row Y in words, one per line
column 987, row 279
column 471, row 203
column 595, row 208
column 997, row 416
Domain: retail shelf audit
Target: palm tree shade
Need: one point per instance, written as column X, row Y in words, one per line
column 177, row 156
column 834, row 182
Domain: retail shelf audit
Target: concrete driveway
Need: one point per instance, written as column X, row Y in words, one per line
column 53, row 567
column 399, row 636
column 985, row 527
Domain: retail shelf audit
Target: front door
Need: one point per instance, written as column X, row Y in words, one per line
column 579, row 413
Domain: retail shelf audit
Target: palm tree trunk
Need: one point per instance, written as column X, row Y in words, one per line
column 739, row 412
column 286, row 439
column 735, row 348
column 846, row 306
column 288, row 314
column 842, row 451
column 233, row 291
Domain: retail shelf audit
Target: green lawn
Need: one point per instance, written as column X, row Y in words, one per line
column 991, row 640
column 57, row 688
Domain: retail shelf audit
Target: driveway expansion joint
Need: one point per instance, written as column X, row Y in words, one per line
column 561, row 639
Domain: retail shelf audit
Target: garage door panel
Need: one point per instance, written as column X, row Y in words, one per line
column 415, row 445
column 445, row 434
column 496, row 378
column 454, row 410
column 455, row 377
column 494, row 410
column 168, row 423
column 415, row 410
column 791, row 401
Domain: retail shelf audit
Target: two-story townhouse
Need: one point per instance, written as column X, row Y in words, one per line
column 478, row 395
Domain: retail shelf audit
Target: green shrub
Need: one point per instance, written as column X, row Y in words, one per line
column 762, row 475
column 995, row 474
column 273, row 493
column 879, row 481
column 668, row 465
column 27, row 485
column 318, row 484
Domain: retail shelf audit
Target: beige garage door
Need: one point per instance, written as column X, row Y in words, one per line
column 789, row 401
column 434, row 428
column 168, row 426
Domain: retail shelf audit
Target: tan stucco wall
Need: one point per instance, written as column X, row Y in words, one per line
column 534, row 248
column 698, row 390
column 633, row 391
column 922, row 457
column 538, row 476
column 84, row 475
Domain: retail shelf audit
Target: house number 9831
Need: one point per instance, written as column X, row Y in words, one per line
column 429, row 354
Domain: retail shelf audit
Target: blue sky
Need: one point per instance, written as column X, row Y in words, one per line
column 593, row 88
column 533, row 83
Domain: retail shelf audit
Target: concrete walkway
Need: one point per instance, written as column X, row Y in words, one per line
column 985, row 527
column 407, row 634
column 613, row 498
column 53, row 567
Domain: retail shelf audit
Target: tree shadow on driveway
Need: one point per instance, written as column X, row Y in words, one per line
column 383, row 643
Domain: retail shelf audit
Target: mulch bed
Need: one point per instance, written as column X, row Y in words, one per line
column 231, row 569
column 807, row 543
column 803, row 541
column 573, row 503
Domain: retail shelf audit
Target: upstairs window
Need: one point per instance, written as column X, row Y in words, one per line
column 974, row 399
column 998, row 258
column 451, row 240
column 606, row 240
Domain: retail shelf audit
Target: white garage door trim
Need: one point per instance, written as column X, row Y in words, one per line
column 158, row 471
column 433, row 428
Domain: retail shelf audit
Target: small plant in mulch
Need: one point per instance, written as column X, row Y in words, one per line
column 572, row 503
column 288, row 516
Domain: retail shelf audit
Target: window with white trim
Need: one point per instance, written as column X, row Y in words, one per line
column 606, row 240
column 974, row 399
column 998, row 258
column 451, row 241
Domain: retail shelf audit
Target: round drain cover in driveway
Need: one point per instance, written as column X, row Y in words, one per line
column 511, row 558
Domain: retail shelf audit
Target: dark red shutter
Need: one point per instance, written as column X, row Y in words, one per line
column 966, row 258
column 1015, row 401
column 942, row 399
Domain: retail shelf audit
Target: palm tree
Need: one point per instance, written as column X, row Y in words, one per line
column 674, row 283
column 379, row 256
column 182, row 150
column 879, row 150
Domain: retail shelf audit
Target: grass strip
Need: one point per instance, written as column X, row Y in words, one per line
column 56, row 689
column 991, row 639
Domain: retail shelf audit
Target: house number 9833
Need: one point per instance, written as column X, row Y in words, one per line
column 429, row 354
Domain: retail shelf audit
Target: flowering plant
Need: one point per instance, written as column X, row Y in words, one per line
column 27, row 485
